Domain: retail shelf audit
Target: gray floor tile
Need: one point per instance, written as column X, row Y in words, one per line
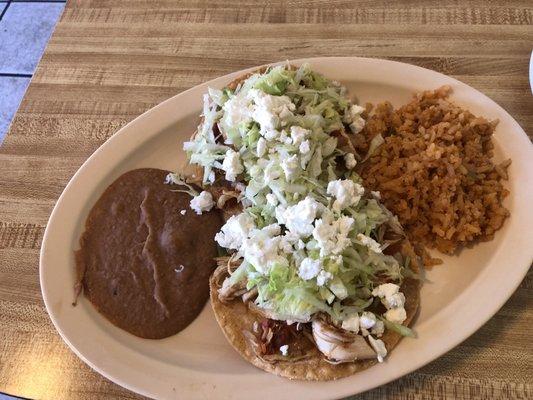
column 11, row 92
column 2, row 8
column 6, row 397
column 24, row 32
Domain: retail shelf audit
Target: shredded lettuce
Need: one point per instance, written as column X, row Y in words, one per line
column 398, row 328
column 280, row 123
column 275, row 82
column 374, row 144
column 178, row 180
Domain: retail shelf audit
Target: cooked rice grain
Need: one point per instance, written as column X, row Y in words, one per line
column 435, row 171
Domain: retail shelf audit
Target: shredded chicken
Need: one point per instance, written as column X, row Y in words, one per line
column 227, row 291
column 250, row 295
column 225, row 196
column 268, row 336
column 340, row 346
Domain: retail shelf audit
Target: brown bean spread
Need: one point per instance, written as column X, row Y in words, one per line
column 143, row 264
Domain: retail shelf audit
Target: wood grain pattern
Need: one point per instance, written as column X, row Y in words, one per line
column 110, row 60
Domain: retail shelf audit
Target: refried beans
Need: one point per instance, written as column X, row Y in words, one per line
column 142, row 263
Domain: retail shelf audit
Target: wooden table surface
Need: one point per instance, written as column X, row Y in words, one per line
column 110, row 60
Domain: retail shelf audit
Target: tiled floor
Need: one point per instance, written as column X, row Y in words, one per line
column 6, row 397
column 25, row 27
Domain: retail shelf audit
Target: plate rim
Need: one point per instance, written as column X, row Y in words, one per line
column 518, row 277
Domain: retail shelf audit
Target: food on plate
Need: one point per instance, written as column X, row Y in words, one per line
column 319, row 280
column 434, row 170
column 291, row 350
column 300, row 197
column 145, row 258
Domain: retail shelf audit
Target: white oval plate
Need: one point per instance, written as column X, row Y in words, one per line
column 197, row 363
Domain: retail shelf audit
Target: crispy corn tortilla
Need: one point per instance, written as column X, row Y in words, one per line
column 234, row 318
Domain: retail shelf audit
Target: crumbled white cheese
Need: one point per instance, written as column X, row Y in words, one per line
column 356, row 109
column 346, row 193
column 385, row 290
column 272, row 199
column 285, row 245
column 323, row 277
column 369, row 242
column 285, row 114
column 351, row 323
column 271, row 134
column 390, row 295
column 279, row 211
column 270, row 111
column 357, row 125
column 261, row 147
column 305, row 147
column 261, row 248
column 182, row 212
column 397, row 315
column 367, row 320
column 309, row 268
column 350, row 161
column 291, row 167
column 353, row 117
column 379, row 348
column 264, row 116
column 336, row 259
column 288, row 241
column 202, row 202
column 376, row 194
column 234, row 231
column 299, row 218
column 284, row 350
column 284, row 137
column 236, row 110
column 378, row 329
column 332, row 235
column 232, row 165
column 299, row 134
column 211, row 177
column 305, row 157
